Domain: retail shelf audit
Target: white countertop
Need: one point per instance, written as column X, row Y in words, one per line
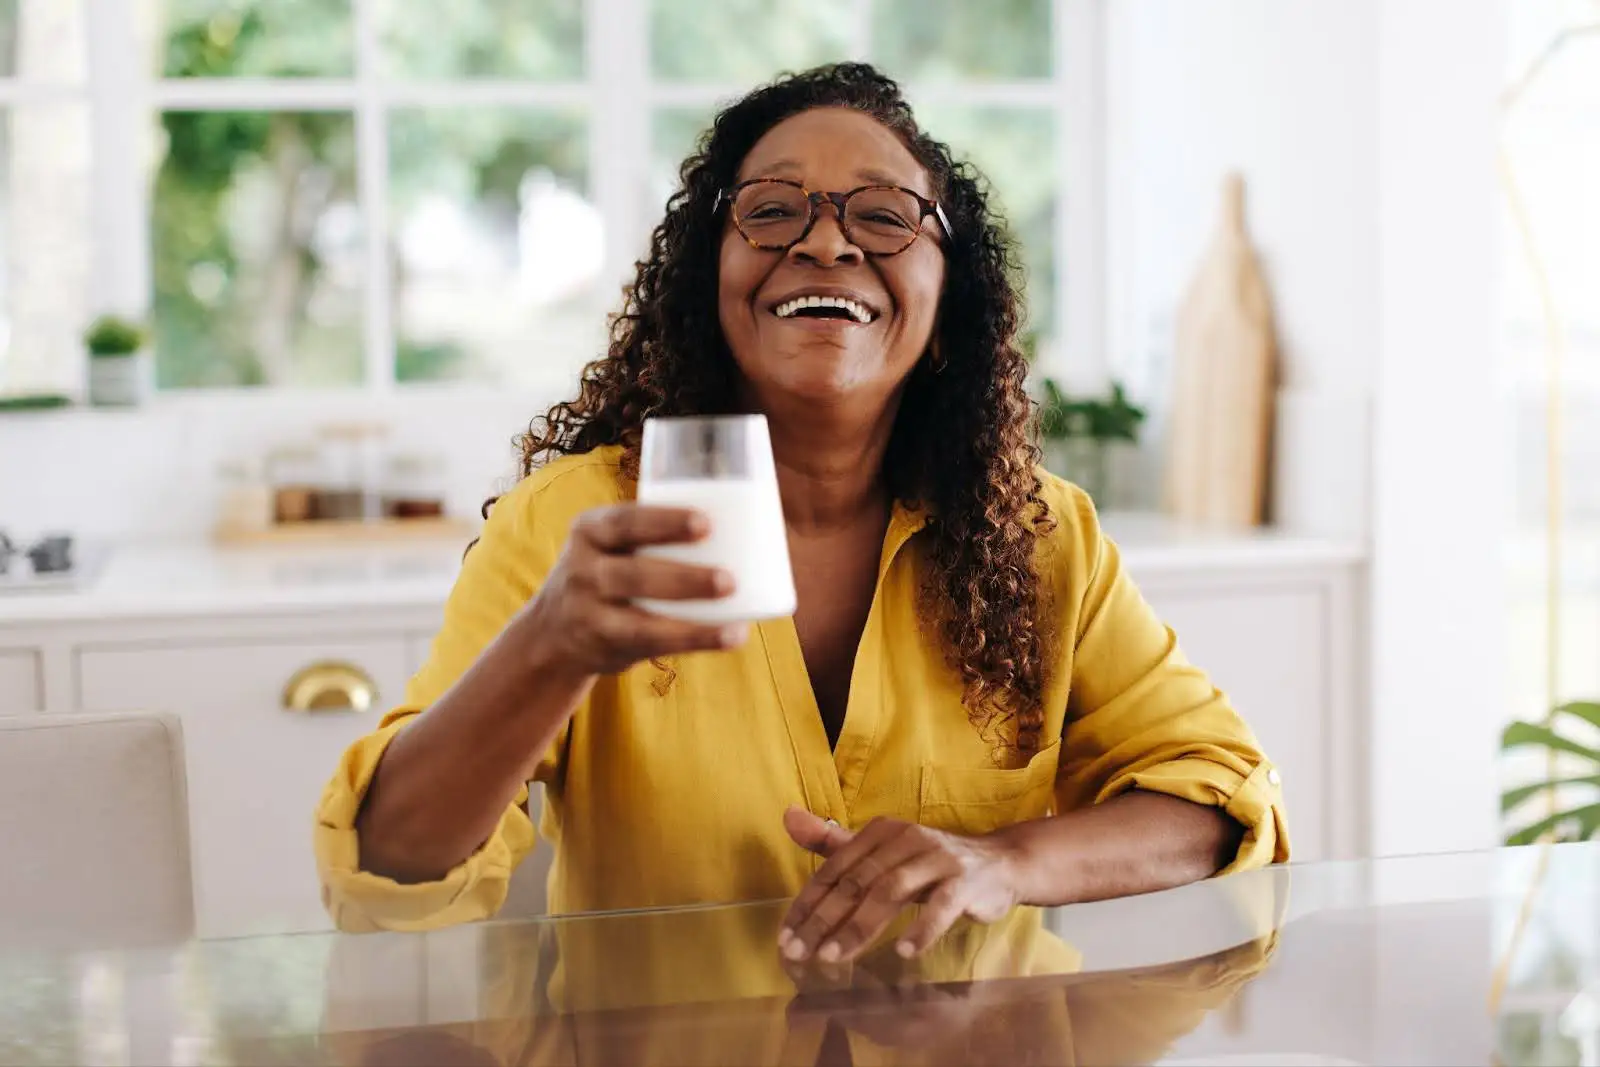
column 197, row 578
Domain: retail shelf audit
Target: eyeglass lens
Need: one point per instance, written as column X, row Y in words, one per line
column 775, row 215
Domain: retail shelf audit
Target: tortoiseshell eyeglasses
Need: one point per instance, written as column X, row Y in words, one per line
column 775, row 214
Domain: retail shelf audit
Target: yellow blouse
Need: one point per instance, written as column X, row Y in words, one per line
column 668, row 786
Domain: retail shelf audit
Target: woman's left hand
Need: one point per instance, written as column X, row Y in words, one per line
column 871, row 874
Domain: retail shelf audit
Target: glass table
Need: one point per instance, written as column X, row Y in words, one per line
column 1473, row 958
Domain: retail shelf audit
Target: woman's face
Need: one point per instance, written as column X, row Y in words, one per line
column 833, row 359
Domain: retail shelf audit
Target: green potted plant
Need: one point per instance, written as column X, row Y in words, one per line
column 1572, row 787
column 1080, row 434
column 118, row 363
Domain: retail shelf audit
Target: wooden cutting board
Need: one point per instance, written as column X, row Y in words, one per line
column 1219, row 431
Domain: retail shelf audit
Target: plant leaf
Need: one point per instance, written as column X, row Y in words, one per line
column 1589, row 824
column 1586, row 710
column 1519, row 734
column 1588, row 820
column 1513, row 797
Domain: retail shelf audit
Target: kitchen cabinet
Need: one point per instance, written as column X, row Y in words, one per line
column 256, row 762
column 1280, row 647
column 217, row 636
column 21, row 687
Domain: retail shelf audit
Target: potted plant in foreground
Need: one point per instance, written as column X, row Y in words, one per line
column 118, row 362
column 1572, row 784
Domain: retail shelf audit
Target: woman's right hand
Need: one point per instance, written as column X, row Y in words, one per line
column 583, row 617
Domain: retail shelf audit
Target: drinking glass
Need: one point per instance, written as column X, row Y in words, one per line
column 721, row 466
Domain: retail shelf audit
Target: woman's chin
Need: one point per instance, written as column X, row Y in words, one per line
column 828, row 377
column 827, row 390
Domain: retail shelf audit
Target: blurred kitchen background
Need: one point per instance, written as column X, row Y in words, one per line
column 357, row 244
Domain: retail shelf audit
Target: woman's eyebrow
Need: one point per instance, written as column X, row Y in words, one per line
column 791, row 165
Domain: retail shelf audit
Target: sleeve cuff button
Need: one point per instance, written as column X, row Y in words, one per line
column 1273, row 777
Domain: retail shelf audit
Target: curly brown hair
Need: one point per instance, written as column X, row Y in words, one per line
column 962, row 444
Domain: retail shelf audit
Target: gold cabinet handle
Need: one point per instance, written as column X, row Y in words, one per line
column 330, row 685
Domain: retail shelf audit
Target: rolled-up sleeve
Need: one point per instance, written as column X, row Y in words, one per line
column 1140, row 716
column 498, row 576
column 359, row 901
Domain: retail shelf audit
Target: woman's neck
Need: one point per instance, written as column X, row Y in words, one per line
column 830, row 467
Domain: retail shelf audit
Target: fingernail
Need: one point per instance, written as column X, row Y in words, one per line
column 906, row 949
column 830, row 952
column 698, row 524
column 795, row 950
column 785, row 935
column 734, row 635
column 722, row 583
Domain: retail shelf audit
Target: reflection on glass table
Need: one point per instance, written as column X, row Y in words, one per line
column 1347, row 963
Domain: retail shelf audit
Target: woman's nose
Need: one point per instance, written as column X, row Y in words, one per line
column 827, row 244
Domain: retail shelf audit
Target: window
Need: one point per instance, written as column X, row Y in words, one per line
column 325, row 193
column 1553, row 156
column 44, row 192
column 350, row 192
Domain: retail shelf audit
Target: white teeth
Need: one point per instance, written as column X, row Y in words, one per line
column 857, row 311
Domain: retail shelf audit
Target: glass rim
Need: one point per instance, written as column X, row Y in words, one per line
column 730, row 417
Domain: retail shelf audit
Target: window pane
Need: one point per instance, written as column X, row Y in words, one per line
column 673, row 134
column 45, row 234
column 746, row 41
column 258, row 250
column 541, row 39
column 258, row 38
column 1015, row 150
column 497, row 249
column 42, row 40
column 939, row 40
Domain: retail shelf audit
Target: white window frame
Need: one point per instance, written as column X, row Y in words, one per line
column 620, row 97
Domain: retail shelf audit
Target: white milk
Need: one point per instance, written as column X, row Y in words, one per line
column 747, row 539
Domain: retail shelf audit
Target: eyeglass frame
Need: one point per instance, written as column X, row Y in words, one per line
column 814, row 201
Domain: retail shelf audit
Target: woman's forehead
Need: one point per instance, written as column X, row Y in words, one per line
column 834, row 148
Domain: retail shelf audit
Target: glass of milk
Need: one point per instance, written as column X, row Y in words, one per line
column 722, row 467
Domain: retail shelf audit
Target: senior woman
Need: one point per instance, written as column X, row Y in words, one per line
column 972, row 706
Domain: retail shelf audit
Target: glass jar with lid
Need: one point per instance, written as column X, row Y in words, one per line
column 296, row 474
column 350, row 491
column 414, row 486
column 246, row 503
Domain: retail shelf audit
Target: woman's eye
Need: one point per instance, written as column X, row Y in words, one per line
column 770, row 211
column 887, row 218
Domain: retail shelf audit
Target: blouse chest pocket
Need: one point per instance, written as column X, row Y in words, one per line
column 978, row 800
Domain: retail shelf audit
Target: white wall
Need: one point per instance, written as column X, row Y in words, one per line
column 1365, row 131
column 1285, row 92
column 153, row 473
column 1441, row 504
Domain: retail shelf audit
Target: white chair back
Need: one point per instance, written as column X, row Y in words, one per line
column 94, row 831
